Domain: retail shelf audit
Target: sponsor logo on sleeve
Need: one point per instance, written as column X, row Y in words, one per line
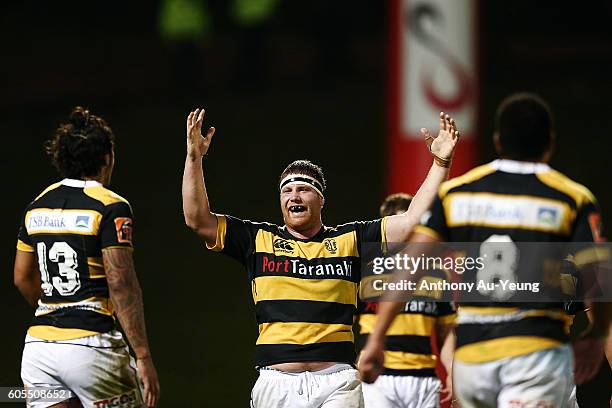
column 124, row 228
column 595, row 223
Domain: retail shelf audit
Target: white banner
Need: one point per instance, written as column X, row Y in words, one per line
column 438, row 64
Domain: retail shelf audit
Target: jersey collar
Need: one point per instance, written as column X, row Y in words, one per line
column 80, row 183
column 519, row 167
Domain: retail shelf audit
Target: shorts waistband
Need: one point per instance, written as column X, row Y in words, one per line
column 272, row 372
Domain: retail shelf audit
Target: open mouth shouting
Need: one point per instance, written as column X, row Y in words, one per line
column 296, row 209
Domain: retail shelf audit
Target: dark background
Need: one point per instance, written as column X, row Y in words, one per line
column 308, row 82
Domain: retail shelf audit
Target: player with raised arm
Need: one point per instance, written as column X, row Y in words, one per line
column 74, row 264
column 304, row 275
column 409, row 375
column 511, row 354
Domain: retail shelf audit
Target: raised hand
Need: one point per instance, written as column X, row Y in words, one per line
column 443, row 146
column 197, row 144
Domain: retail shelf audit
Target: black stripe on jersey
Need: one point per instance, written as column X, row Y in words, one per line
column 425, row 372
column 409, row 343
column 68, row 198
column 71, row 318
column 531, row 326
column 268, row 354
column 289, row 311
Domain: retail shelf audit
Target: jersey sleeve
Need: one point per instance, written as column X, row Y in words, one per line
column 235, row 237
column 587, row 227
column 117, row 226
column 433, row 222
column 24, row 243
column 371, row 231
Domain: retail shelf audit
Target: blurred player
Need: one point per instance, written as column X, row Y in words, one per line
column 74, row 263
column 409, row 377
column 304, row 275
column 511, row 356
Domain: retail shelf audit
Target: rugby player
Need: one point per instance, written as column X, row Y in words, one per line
column 516, row 355
column 409, row 377
column 74, row 264
column 304, row 275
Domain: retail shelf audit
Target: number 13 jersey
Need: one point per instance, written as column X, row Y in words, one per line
column 66, row 227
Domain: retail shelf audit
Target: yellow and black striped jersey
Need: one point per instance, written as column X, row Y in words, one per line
column 66, row 227
column 408, row 348
column 523, row 202
column 305, row 290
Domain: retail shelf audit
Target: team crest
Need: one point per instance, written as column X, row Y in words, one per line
column 331, row 245
column 124, row 228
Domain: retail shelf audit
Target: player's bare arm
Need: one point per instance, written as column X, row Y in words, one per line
column 442, row 148
column 372, row 357
column 126, row 296
column 195, row 199
column 27, row 276
column 445, row 338
column 590, row 347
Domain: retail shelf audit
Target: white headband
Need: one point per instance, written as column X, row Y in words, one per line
column 293, row 179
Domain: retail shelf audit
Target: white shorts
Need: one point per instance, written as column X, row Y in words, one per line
column 98, row 370
column 540, row 379
column 391, row 391
column 573, row 402
column 335, row 387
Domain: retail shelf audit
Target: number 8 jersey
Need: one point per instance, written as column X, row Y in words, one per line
column 67, row 226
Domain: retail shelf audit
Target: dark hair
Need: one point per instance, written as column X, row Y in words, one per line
column 394, row 203
column 307, row 168
column 524, row 122
column 78, row 147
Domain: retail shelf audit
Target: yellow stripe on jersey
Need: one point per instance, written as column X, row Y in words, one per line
column 579, row 193
column 322, row 290
column 470, row 209
column 404, row 324
column 58, row 333
column 431, row 233
column 447, row 320
column 383, row 234
column 555, row 314
column 46, row 190
column 22, row 246
column 104, row 195
column 591, row 255
column 469, row 177
column 221, row 231
column 96, row 268
column 68, row 220
column 303, row 333
column 340, row 246
column 488, row 310
column 366, row 286
column 399, row 360
column 504, row 347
